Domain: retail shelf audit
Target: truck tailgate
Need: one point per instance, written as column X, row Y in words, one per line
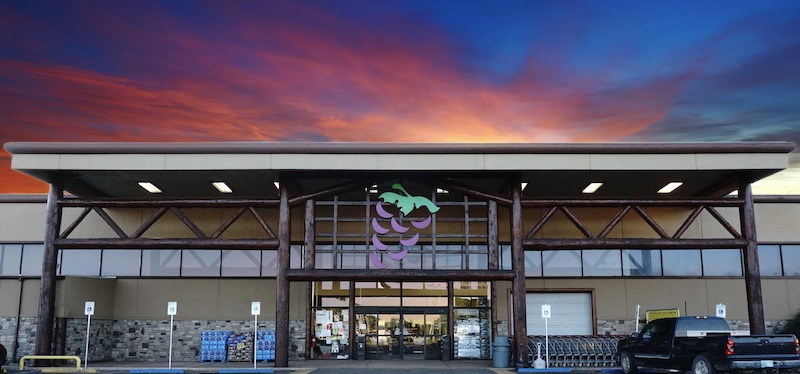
column 764, row 346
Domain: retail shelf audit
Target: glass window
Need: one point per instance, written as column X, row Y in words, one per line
column 32, row 256
column 769, row 260
column 533, row 263
column 413, row 260
column 641, row 262
column 354, row 260
column 791, row 260
column 10, row 257
column 121, row 262
column 722, row 262
column 448, row 260
column 561, row 263
column 681, row 262
column 241, row 263
column 200, row 263
column 505, row 258
column 478, row 261
column 269, row 263
column 80, row 262
column 323, row 260
column 296, row 257
column 602, row 263
column 161, row 262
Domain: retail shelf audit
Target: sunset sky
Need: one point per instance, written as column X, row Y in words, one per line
column 399, row 71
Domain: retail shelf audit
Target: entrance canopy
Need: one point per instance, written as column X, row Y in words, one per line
column 186, row 170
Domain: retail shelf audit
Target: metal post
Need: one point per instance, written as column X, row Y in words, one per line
column 170, row 340
column 255, row 340
column 86, row 352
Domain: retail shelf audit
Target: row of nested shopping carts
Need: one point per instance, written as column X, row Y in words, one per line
column 576, row 351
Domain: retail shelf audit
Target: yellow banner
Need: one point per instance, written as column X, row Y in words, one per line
column 662, row 313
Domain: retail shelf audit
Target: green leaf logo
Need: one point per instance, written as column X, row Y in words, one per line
column 405, row 202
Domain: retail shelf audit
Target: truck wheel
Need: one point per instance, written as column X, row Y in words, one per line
column 702, row 365
column 628, row 363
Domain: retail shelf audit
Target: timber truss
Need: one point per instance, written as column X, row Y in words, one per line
column 136, row 240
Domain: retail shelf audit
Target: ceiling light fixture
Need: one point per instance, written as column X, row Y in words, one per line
column 222, row 187
column 523, row 185
column 592, row 187
column 277, row 185
column 373, row 189
column 439, row 190
column 671, row 186
column 151, row 188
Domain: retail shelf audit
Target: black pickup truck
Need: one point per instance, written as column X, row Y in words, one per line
column 706, row 345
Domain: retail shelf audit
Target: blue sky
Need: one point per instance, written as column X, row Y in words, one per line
column 397, row 71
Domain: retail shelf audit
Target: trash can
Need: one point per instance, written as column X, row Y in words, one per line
column 445, row 342
column 361, row 349
column 500, row 349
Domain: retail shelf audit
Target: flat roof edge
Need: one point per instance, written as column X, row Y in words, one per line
column 390, row 148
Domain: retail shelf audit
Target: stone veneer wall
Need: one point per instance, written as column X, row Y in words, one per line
column 626, row 327
column 26, row 339
column 141, row 340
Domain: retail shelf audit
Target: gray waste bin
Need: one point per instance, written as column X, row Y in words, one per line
column 500, row 349
column 361, row 349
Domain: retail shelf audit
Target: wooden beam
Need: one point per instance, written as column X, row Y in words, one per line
column 518, row 268
column 309, row 258
column 575, row 221
column 360, row 275
column 110, row 222
column 47, row 290
column 227, row 224
column 546, row 203
column 262, row 222
column 632, row 243
column 332, row 191
column 188, row 222
column 650, row 221
column 75, row 223
column 465, row 190
column 139, row 243
column 752, row 271
column 493, row 236
column 614, row 222
column 180, row 203
column 725, row 222
column 149, row 223
column 542, row 221
column 282, row 282
column 688, row 222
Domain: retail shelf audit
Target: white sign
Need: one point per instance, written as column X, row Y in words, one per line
column 255, row 308
column 88, row 308
column 545, row 310
column 172, row 308
column 721, row 310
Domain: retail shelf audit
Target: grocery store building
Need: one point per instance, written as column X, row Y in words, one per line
column 386, row 251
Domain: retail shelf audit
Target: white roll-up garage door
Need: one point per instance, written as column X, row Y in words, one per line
column 571, row 313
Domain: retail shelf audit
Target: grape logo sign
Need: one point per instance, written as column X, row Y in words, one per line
column 406, row 204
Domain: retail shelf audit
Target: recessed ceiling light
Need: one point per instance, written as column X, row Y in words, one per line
column 592, row 187
column 439, row 190
column 150, row 187
column 523, row 185
column 222, row 187
column 671, row 186
column 277, row 185
column 373, row 189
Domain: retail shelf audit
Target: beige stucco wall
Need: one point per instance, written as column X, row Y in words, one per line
column 22, row 222
column 198, row 299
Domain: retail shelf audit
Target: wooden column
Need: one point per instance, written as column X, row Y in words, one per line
column 282, row 283
column 47, row 291
column 518, row 267
column 309, row 262
column 494, row 259
column 752, row 271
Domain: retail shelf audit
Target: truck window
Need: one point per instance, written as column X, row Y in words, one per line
column 706, row 324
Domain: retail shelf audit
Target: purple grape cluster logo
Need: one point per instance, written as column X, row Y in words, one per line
column 406, row 204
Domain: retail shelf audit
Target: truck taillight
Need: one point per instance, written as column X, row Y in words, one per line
column 729, row 346
column 796, row 346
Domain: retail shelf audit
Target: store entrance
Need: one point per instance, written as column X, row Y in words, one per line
column 402, row 333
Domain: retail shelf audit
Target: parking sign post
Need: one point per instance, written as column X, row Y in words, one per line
column 546, row 316
column 88, row 309
column 172, row 310
column 255, row 310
